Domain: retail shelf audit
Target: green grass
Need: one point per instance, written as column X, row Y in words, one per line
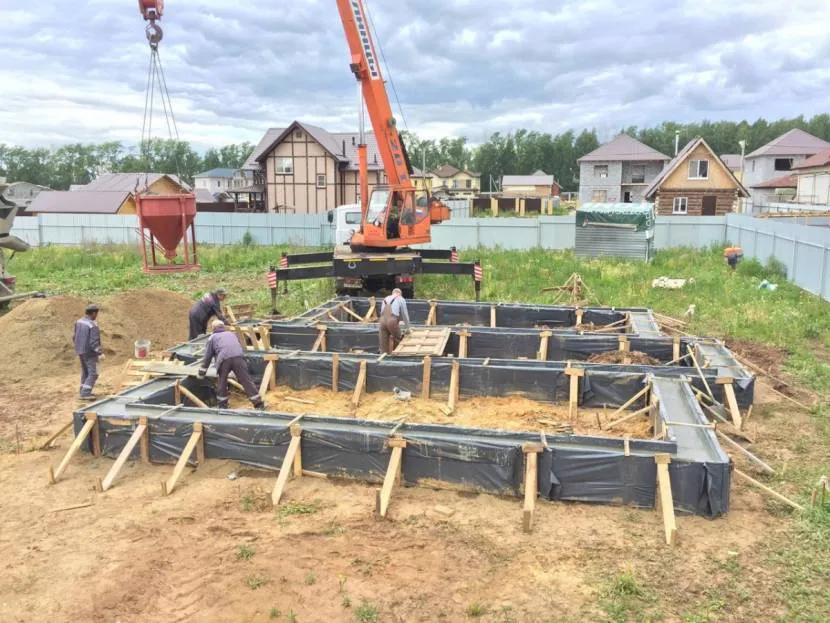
column 625, row 598
column 255, row 581
column 245, row 552
column 366, row 612
column 476, row 610
column 297, row 508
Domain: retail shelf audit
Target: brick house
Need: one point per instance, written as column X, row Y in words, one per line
column 696, row 182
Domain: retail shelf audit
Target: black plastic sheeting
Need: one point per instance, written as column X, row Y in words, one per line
column 602, row 384
column 572, row 468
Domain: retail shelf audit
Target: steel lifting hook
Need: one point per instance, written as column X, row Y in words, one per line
column 154, row 34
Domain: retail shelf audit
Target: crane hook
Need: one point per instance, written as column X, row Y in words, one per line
column 154, row 34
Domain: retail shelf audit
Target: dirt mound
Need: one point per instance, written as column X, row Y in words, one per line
column 36, row 336
column 766, row 357
column 617, row 356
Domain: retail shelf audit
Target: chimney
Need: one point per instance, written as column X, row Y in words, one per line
column 344, row 146
column 676, row 141
column 352, row 141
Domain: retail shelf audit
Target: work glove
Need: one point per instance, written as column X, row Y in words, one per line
column 202, row 373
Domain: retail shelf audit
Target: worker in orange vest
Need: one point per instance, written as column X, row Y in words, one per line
column 732, row 255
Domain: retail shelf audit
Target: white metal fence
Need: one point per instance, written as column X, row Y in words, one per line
column 804, row 250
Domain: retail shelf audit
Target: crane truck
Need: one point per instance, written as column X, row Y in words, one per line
column 378, row 256
column 8, row 210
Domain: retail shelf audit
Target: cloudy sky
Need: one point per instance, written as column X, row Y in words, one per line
column 75, row 70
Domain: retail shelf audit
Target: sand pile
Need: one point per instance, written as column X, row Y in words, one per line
column 36, row 336
column 617, row 356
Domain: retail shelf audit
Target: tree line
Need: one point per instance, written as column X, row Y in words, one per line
column 515, row 153
column 81, row 163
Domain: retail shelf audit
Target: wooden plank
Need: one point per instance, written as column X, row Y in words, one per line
column 137, row 435
column 76, row 444
column 544, row 338
column 360, row 385
column 666, row 500
column 427, row 378
column 351, row 312
column 285, row 469
column 675, row 348
column 432, row 317
column 573, row 396
column 531, row 489
column 492, row 315
column 767, row 490
column 320, row 342
column 745, row 452
column 392, row 476
column 700, row 372
column 265, row 336
column 267, row 378
column 630, row 416
column 631, row 401
column 370, row 314
column 191, row 396
column 145, row 440
column 462, row 344
column 732, row 401
column 625, row 345
column 454, row 386
column 335, row 371
column 297, row 433
column 95, row 435
column 48, row 443
column 170, row 484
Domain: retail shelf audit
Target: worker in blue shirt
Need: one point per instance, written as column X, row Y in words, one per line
column 87, row 341
column 393, row 314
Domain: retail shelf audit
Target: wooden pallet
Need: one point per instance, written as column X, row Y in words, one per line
column 136, row 372
column 424, row 341
column 239, row 312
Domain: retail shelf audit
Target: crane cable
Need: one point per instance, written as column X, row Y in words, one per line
column 156, row 79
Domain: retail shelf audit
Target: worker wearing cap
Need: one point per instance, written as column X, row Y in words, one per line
column 202, row 310
column 224, row 346
column 393, row 313
column 87, row 341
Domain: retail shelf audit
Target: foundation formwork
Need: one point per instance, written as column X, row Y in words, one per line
column 567, row 467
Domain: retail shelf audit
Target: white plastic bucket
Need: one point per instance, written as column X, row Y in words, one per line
column 142, row 349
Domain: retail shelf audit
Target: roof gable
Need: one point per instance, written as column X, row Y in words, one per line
column 821, row 159
column 623, row 148
column 129, row 182
column 682, row 157
column 448, row 170
column 217, row 172
column 79, row 201
column 795, row 142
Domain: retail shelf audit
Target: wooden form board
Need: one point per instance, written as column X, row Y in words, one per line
column 392, row 477
column 424, row 341
column 666, row 500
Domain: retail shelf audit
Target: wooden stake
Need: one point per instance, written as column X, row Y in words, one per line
column 425, row 383
column 745, row 452
column 297, row 433
column 700, row 372
column 579, row 313
column 393, row 476
column 371, row 312
column 177, row 394
column 432, row 317
column 454, row 386
column 168, row 486
column 492, row 315
column 335, row 372
column 531, row 452
column 76, row 444
column 360, row 385
column 48, row 443
column 267, row 376
column 137, row 435
column 573, row 390
column 191, row 396
column 666, row 501
column 320, row 342
column 145, row 439
column 265, row 336
column 732, row 401
column 767, row 490
column 675, row 348
column 286, row 468
column 544, row 338
column 462, row 343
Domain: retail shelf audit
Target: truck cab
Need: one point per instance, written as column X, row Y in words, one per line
column 346, row 221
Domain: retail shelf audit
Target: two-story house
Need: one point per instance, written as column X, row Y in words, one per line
column 215, row 181
column 696, row 182
column 306, row 169
column 777, row 158
column 450, row 181
column 619, row 171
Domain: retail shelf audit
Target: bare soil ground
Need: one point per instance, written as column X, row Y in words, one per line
column 216, row 551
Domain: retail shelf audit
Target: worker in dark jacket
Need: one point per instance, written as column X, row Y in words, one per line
column 223, row 345
column 202, row 310
column 87, row 341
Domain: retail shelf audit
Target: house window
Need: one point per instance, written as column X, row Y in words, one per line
column 321, row 181
column 783, row 164
column 601, row 170
column 284, row 166
column 298, row 134
column 455, row 183
column 698, row 169
column 753, row 166
column 599, row 196
column 681, row 204
column 638, row 174
column 469, row 183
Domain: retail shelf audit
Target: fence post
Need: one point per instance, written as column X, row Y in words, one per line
column 823, row 274
column 795, row 258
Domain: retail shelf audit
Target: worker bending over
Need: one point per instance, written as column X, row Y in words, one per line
column 393, row 313
column 202, row 310
column 87, row 341
column 224, row 346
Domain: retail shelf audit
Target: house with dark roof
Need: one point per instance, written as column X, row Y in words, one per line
column 215, row 180
column 306, row 169
column 778, row 158
column 450, row 181
column 812, row 178
column 540, row 184
column 619, row 171
column 695, row 182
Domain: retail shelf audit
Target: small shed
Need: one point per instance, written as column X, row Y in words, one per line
column 615, row 230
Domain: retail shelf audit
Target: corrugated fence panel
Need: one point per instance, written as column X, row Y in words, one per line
column 688, row 231
column 27, row 228
column 803, row 249
column 557, row 232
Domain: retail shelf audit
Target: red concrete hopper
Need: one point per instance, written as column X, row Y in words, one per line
column 167, row 219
